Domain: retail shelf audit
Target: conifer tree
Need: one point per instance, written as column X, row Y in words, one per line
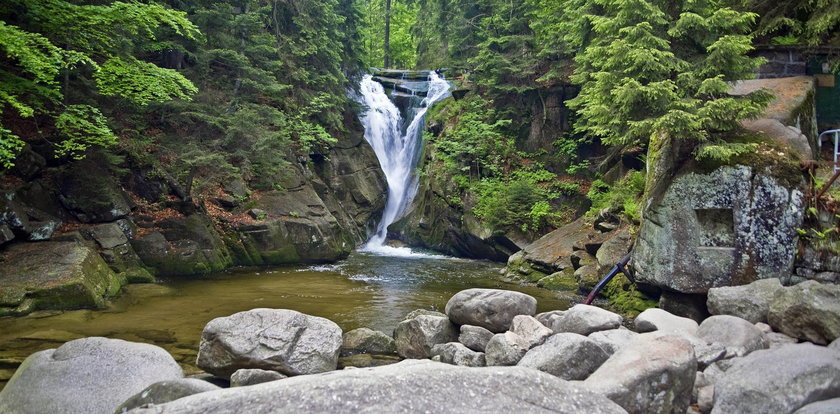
column 654, row 66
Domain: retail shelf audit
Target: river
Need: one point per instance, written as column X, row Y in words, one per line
column 366, row 290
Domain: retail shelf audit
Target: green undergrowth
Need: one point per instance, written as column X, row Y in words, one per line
column 476, row 163
column 625, row 196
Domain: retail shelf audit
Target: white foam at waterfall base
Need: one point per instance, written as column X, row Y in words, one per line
column 397, row 153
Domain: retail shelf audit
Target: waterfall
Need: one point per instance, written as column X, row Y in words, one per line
column 397, row 146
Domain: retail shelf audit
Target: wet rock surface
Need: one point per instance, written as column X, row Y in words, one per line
column 367, row 341
column 54, row 275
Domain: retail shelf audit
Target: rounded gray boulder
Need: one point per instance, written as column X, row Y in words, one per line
column 405, row 387
column 738, row 336
column 779, row 380
column 492, row 309
column 566, row 355
column 809, row 310
column 166, row 391
column 367, row 341
column 415, row 337
column 87, row 375
column 282, row 340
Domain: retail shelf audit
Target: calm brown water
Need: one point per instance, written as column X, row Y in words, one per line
column 363, row 291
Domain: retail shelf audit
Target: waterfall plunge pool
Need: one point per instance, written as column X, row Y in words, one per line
column 365, row 290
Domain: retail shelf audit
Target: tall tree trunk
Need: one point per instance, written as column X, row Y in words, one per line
column 387, row 34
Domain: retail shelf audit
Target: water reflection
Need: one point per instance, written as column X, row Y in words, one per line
column 365, row 290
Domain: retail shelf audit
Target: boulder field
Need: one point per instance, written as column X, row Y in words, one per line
column 493, row 355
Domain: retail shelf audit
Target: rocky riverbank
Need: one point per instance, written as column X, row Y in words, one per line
column 764, row 350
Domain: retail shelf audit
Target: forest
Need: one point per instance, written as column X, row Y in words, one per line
column 255, row 84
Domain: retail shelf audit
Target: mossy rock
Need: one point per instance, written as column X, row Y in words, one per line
column 55, row 275
column 625, row 298
column 563, row 280
column 138, row 275
column 184, row 246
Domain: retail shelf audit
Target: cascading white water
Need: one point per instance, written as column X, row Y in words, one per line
column 397, row 151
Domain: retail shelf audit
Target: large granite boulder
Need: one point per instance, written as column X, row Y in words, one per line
column 654, row 373
column 779, row 380
column 54, row 275
column 737, row 335
column 566, row 355
column 456, row 353
column 415, row 337
column 831, row 406
column 86, row 376
column 492, row 309
column 530, row 329
column 474, row 337
column 409, row 386
column 166, row 391
column 21, row 221
column 297, row 227
column 582, row 319
column 281, row 340
column 809, row 310
column 505, row 349
column 720, row 228
column 367, row 341
column 613, row 339
column 252, row 376
column 790, row 117
column 750, row 302
column 551, row 253
column 114, row 246
column 655, row 319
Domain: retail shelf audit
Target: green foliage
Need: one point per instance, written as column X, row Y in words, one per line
column 475, row 145
column 624, row 196
column 724, row 152
column 506, row 59
column 403, row 45
column 653, row 66
column 45, row 39
column 142, row 82
column 82, row 126
column 448, row 32
column 805, row 22
column 10, row 145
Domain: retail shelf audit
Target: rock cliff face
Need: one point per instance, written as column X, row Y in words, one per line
column 143, row 222
column 431, row 222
